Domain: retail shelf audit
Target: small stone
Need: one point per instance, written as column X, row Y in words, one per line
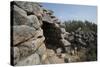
column 59, row 50
column 65, row 42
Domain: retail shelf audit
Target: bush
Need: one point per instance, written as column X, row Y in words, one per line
column 74, row 25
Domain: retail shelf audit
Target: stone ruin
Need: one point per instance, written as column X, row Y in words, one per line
column 38, row 36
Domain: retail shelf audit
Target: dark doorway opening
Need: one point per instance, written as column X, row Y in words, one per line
column 52, row 36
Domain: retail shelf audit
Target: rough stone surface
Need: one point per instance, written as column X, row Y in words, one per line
column 42, row 49
column 20, row 16
column 33, row 21
column 39, row 37
column 16, row 55
column 22, row 33
column 55, row 60
column 47, row 18
column 65, row 42
column 30, row 60
column 59, row 50
column 30, row 7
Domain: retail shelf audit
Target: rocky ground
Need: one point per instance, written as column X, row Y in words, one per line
column 39, row 38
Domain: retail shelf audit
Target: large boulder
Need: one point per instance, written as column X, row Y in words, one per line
column 50, row 52
column 31, row 46
column 46, row 18
column 30, row 7
column 21, row 18
column 33, row 59
column 39, row 33
column 55, row 60
column 33, row 21
column 22, row 33
column 41, row 50
column 38, row 42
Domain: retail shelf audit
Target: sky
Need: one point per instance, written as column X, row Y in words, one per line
column 66, row 12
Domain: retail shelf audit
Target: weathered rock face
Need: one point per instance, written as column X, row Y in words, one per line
column 39, row 38
column 21, row 18
column 28, row 39
column 30, row 7
column 30, row 60
column 22, row 33
column 37, row 35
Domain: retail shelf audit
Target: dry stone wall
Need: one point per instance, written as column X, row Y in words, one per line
column 38, row 37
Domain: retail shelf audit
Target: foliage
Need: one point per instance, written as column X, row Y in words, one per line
column 74, row 25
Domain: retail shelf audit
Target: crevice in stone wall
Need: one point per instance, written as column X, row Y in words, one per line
column 30, row 13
